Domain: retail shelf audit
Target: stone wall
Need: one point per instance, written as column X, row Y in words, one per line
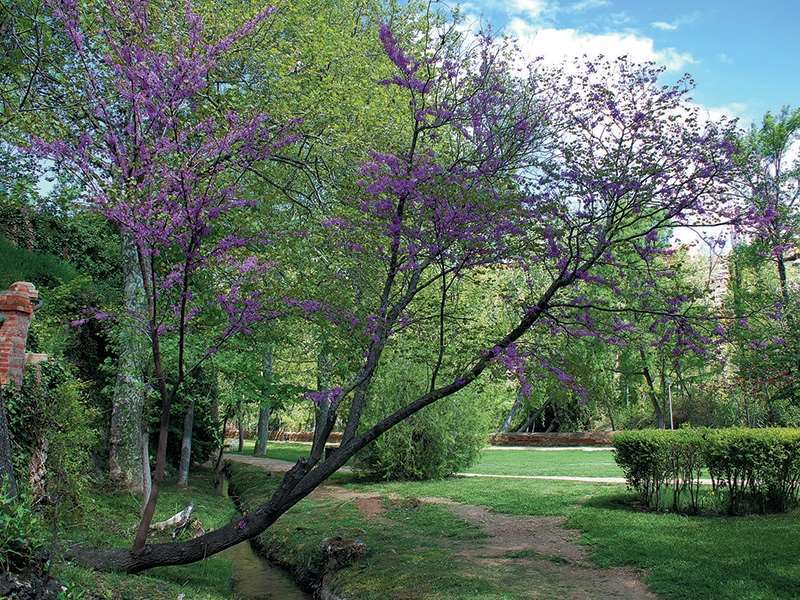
column 578, row 438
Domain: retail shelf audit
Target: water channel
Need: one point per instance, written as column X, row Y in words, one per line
column 255, row 578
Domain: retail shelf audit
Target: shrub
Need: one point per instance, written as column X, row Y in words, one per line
column 22, row 534
column 751, row 469
column 756, row 469
column 440, row 440
column 51, row 405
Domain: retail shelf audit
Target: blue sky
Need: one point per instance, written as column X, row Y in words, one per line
column 743, row 54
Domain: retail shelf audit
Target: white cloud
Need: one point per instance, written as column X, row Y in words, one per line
column 732, row 110
column 555, row 45
column 583, row 5
column 676, row 23
column 530, row 8
column 663, row 25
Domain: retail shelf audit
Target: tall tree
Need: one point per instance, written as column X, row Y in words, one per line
column 568, row 171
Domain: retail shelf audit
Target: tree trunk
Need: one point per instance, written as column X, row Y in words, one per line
column 7, row 479
column 186, row 446
column 218, row 463
column 147, row 477
column 127, row 404
column 241, row 433
column 651, row 392
column 512, row 413
column 262, row 433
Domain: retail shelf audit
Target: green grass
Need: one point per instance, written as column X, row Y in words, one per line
column 706, row 557
column 411, row 547
column 289, row 451
column 716, row 558
column 110, row 518
column 532, row 461
column 512, row 496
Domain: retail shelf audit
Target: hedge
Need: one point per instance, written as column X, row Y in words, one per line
column 752, row 470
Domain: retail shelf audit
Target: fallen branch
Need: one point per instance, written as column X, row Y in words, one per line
column 179, row 521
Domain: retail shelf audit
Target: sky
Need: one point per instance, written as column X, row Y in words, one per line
column 742, row 54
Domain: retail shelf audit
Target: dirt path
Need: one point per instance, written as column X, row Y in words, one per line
column 538, row 557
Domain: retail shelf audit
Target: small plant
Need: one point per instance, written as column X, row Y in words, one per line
column 22, row 534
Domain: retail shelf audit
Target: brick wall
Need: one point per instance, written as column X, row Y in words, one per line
column 16, row 306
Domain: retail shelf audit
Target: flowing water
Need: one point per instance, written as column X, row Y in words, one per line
column 255, row 578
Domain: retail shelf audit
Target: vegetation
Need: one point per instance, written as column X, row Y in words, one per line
column 364, row 221
column 715, row 557
column 110, row 517
column 751, row 469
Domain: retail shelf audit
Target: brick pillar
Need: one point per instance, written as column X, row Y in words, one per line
column 16, row 305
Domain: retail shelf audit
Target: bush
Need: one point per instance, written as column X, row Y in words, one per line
column 52, row 406
column 22, row 534
column 758, row 469
column 440, row 440
column 752, row 470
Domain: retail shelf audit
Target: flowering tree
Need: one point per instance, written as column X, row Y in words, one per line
column 563, row 172
column 165, row 169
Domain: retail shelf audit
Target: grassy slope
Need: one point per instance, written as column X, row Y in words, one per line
column 110, row 520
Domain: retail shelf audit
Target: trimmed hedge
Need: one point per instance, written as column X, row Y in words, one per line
column 752, row 470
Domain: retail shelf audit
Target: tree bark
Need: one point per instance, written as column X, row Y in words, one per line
column 7, row 479
column 262, row 433
column 127, row 405
column 512, row 413
column 241, row 433
column 186, row 446
column 147, row 477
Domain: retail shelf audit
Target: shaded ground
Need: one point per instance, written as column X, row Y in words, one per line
column 536, row 557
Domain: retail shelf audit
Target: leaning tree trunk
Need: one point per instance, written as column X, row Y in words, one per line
column 186, row 446
column 262, row 433
column 7, row 479
column 512, row 413
column 127, row 405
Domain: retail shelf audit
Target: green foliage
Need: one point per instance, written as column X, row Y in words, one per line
column 22, row 533
column 442, row 439
column 18, row 264
column 758, row 468
column 753, row 470
column 52, row 405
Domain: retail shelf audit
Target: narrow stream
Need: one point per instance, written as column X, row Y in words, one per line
column 255, row 578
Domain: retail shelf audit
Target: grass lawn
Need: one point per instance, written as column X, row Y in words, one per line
column 686, row 557
column 751, row 558
column 110, row 519
column 289, row 451
column 533, row 461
